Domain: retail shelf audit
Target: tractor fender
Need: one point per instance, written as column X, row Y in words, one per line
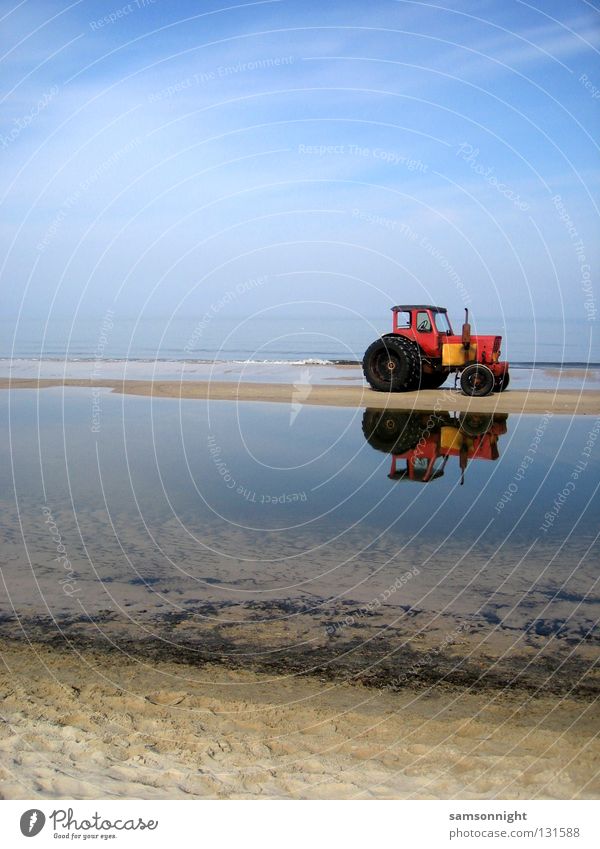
column 413, row 342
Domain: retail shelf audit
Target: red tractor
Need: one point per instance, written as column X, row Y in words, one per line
column 421, row 443
column 422, row 351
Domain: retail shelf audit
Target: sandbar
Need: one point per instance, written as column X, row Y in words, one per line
column 566, row 402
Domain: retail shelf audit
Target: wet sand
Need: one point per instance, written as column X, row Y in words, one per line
column 97, row 724
column 567, row 402
column 589, row 373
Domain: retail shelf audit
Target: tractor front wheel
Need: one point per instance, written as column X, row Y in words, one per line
column 477, row 380
column 392, row 364
column 475, row 424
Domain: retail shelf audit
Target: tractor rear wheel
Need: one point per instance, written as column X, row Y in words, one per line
column 392, row 364
column 477, row 380
column 391, row 431
column 501, row 383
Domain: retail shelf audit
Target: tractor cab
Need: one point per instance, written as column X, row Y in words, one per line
column 425, row 325
column 420, row 469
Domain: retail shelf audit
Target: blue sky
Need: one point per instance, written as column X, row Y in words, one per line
column 157, row 154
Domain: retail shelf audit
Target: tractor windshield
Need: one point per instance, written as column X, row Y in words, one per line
column 441, row 322
column 425, row 470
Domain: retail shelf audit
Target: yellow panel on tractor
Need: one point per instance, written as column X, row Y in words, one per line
column 450, row 438
column 454, row 354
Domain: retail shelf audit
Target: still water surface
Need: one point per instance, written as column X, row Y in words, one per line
column 287, row 536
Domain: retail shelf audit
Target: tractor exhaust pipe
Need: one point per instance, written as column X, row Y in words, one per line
column 463, row 461
column 466, row 332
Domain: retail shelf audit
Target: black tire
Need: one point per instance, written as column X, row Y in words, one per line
column 501, row 383
column 475, row 424
column 390, row 431
column 392, row 364
column 477, row 380
column 434, row 381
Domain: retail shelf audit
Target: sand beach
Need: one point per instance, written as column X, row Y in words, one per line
column 90, row 724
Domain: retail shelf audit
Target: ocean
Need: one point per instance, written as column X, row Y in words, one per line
column 269, row 339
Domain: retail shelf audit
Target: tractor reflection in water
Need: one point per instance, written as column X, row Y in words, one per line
column 421, row 443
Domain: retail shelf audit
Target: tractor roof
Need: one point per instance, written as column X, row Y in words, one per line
column 418, row 307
